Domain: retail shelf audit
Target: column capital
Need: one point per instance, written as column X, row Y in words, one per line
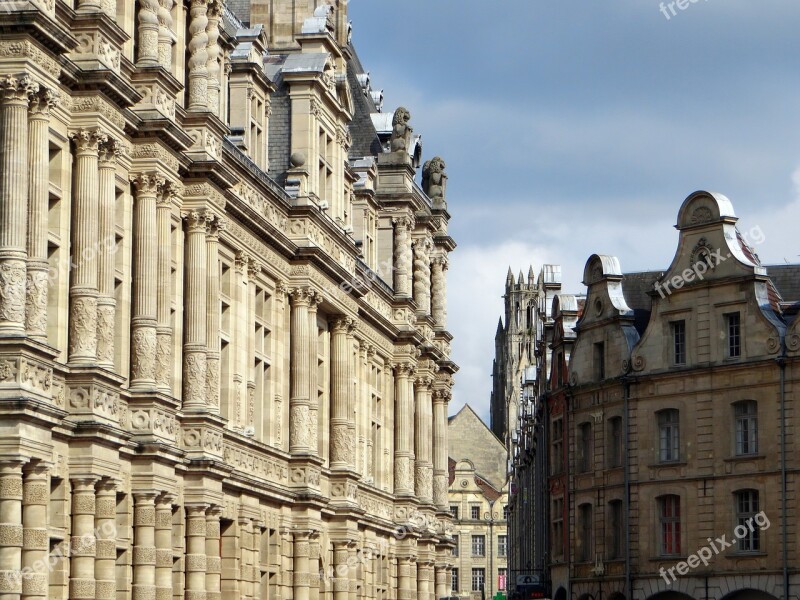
column 241, row 261
column 404, row 369
column 424, row 382
column 343, row 324
column 109, row 152
column 281, row 289
column 301, row 296
column 196, row 510
column 197, row 220
column 17, row 90
column 144, row 496
column 88, row 141
column 214, row 511
column 315, row 299
column 215, row 225
column 106, row 486
column 43, row 102
column 253, row 269
column 147, row 183
column 169, row 192
column 404, row 222
column 166, row 499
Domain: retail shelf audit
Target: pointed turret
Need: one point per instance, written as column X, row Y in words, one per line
column 531, row 277
column 509, row 279
column 521, row 280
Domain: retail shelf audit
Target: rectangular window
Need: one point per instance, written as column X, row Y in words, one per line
column 456, row 541
column 502, row 545
column 585, row 448
column 478, row 579
column 585, row 532
column 478, row 545
column 502, row 576
column 558, row 526
column 669, row 435
column 670, row 525
column 615, row 518
column 454, row 582
column 505, row 512
column 746, row 510
column 475, row 512
column 615, row 442
column 734, row 324
column 454, row 511
column 557, row 446
column 678, row 342
column 746, row 428
column 600, row 361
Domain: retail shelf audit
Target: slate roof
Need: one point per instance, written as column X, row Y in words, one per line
column 787, row 279
column 635, row 287
column 362, row 131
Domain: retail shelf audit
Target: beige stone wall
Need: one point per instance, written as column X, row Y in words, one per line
column 202, row 394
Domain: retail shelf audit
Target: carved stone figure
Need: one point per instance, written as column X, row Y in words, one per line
column 401, row 131
column 434, row 179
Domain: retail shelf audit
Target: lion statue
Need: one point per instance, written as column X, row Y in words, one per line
column 401, row 131
column 434, row 179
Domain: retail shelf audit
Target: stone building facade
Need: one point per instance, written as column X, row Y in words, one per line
column 670, row 431
column 224, row 357
column 478, row 497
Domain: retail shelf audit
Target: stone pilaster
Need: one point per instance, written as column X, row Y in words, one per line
column 253, row 269
column 404, row 430
column 198, row 56
column 402, row 256
column 196, row 552
column 82, row 582
column 106, row 251
column 35, row 539
column 164, row 330
column 423, row 479
column 144, row 545
column 163, row 541
column 342, row 450
column 166, row 37
column 352, row 561
column 439, row 291
column 11, row 532
column 422, row 276
column 106, row 531
column 15, row 94
column 148, row 33
column 301, row 563
column 213, row 559
column 196, row 300
column 38, row 208
column 314, row 566
column 144, row 317
column 213, row 229
column 341, row 579
column 85, row 241
column 440, row 476
column 242, row 363
column 299, row 402
column 213, row 56
column 313, row 396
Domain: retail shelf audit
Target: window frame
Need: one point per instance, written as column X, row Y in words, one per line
column 746, row 507
column 585, row 447
column 745, row 426
column 669, row 431
column 678, row 336
column 585, row 530
column 478, row 545
column 733, row 337
column 478, row 578
column 669, row 525
column 616, row 442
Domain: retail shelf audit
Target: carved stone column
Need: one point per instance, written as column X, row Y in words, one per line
column 404, row 430
column 423, row 592
column 106, row 302
column 405, row 591
column 144, row 545
column 440, row 450
column 38, row 207
column 83, row 543
column 352, row 391
column 148, row 33
column 213, row 229
column 241, row 308
column 439, row 291
column 88, row 6
column 196, row 552
column 422, row 276
column 314, row 566
column 14, row 96
column 213, row 560
column 164, row 366
column 163, row 541
column 352, row 561
column 144, row 317
column 440, row 575
column 299, row 402
column 253, row 269
column 10, row 530
column 402, row 256
column 422, row 446
column 313, row 395
column 85, row 241
column 35, row 539
column 341, row 581
column 196, row 313
column 198, row 56
column 301, row 574
column 341, row 450
column 105, row 524
column 166, row 37
column 213, row 52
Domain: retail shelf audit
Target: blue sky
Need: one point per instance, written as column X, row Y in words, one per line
column 579, row 126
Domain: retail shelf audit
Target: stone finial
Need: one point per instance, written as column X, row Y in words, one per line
column 434, row 180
